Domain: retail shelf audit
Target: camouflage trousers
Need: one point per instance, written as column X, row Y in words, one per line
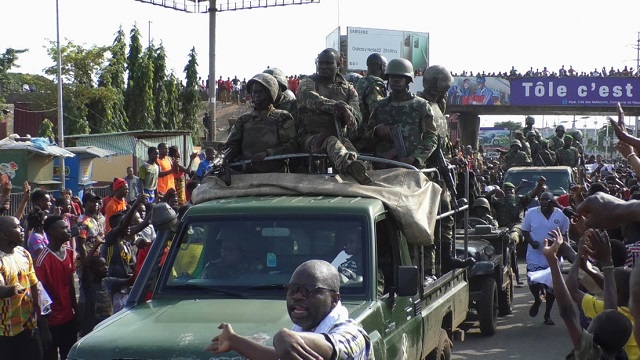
column 340, row 150
column 439, row 254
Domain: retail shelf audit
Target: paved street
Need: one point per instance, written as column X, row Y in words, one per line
column 519, row 336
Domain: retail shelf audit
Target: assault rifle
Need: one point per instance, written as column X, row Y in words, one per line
column 398, row 142
column 445, row 173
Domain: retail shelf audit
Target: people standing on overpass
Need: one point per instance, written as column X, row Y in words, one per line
column 327, row 104
column 515, row 157
column 557, row 142
column 568, row 155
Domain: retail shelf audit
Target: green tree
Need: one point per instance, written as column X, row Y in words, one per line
column 46, row 129
column 190, row 98
column 8, row 60
column 172, row 87
column 80, row 66
column 132, row 93
column 112, row 83
column 160, row 96
column 511, row 125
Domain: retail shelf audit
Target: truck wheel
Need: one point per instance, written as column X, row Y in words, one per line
column 505, row 299
column 443, row 351
column 488, row 307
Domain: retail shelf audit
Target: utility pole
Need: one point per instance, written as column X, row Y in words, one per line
column 150, row 32
column 61, row 170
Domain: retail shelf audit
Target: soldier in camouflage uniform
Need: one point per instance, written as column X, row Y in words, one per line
column 371, row 89
column 515, row 157
column 577, row 143
column 568, row 155
column 535, row 147
column 419, row 122
column 403, row 110
column 286, row 99
column 327, row 104
column 529, row 121
column 264, row 131
column 482, row 210
column 508, row 208
column 524, row 145
column 547, row 156
column 557, row 141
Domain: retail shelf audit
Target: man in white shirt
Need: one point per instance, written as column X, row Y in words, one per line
column 537, row 224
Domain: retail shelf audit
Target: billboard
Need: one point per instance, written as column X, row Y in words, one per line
column 392, row 44
column 575, row 91
column 333, row 39
column 480, row 90
column 493, row 137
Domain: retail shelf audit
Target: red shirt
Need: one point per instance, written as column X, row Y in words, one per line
column 56, row 275
column 563, row 200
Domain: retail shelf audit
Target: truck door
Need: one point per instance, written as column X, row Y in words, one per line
column 402, row 327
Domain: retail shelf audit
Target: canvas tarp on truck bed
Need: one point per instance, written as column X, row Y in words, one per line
column 411, row 198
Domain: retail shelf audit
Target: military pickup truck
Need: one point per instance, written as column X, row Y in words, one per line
column 558, row 178
column 279, row 221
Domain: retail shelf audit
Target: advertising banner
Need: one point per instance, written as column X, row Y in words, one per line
column 575, row 91
column 392, row 44
column 333, row 39
column 493, row 137
column 480, row 90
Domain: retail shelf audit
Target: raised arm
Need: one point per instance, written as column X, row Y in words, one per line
column 24, row 201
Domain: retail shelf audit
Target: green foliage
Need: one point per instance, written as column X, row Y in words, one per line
column 190, row 97
column 159, row 90
column 46, row 129
column 141, row 115
column 8, row 60
column 109, row 110
column 511, row 125
column 172, row 88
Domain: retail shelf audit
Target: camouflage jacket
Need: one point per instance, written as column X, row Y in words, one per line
column 442, row 126
column 316, row 104
column 371, row 90
column 526, row 129
column 524, row 147
column 270, row 130
column 568, row 157
column 545, row 158
column 515, row 158
column 489, row 220
column 414, row 117
column 556, row 143
column 286, row 101
column 509, row 208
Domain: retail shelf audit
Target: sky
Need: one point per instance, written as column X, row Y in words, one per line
column 491, row 35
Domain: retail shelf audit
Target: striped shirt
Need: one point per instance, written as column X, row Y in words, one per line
column 633, row 251
column 350, row 341
column 17, row 312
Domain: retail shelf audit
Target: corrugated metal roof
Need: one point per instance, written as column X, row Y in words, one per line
column 92, row 150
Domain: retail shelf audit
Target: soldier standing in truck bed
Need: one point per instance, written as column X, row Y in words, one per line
column 371, row 89
column 327, row 104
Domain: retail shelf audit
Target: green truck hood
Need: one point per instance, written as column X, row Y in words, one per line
column 170, row 329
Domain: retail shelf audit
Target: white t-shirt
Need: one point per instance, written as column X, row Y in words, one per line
column 539, row 227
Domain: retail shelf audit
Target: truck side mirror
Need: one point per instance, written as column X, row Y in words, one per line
column 407, row 284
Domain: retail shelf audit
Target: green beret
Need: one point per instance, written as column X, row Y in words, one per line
column 508, row 185
column 569, row 137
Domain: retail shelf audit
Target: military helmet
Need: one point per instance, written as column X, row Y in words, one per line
column 560, row 128
column 268, row 81
column 529, row 120
column 515, row 142
column 399, row 67
column 577, row 135
column 507, row 185
column 531, row 133
column 437, row 79
column 281, row 78
column 482, row 202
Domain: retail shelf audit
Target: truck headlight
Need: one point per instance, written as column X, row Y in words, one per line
column 489, row 251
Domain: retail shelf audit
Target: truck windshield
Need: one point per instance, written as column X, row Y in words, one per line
column 242, row 257
column 557, row 181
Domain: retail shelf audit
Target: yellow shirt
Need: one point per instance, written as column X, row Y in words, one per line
column 592, row 307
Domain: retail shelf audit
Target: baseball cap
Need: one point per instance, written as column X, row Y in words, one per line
column 88, row 195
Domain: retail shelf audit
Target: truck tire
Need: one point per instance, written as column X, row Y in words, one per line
column 488, row 306
column 505, row 299
column 443, row 351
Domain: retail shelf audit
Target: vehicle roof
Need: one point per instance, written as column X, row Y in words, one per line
column 540, row 168
column 288, row 204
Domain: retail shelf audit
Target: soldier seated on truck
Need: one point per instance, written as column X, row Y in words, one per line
column 323, row 329
column 263, row 132
column 232, row 263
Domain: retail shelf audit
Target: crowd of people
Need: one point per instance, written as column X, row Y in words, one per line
column 594, row 226
column 562, row 72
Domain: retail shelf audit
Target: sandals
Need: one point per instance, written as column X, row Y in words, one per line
column 548, row 321
column 533, row 311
